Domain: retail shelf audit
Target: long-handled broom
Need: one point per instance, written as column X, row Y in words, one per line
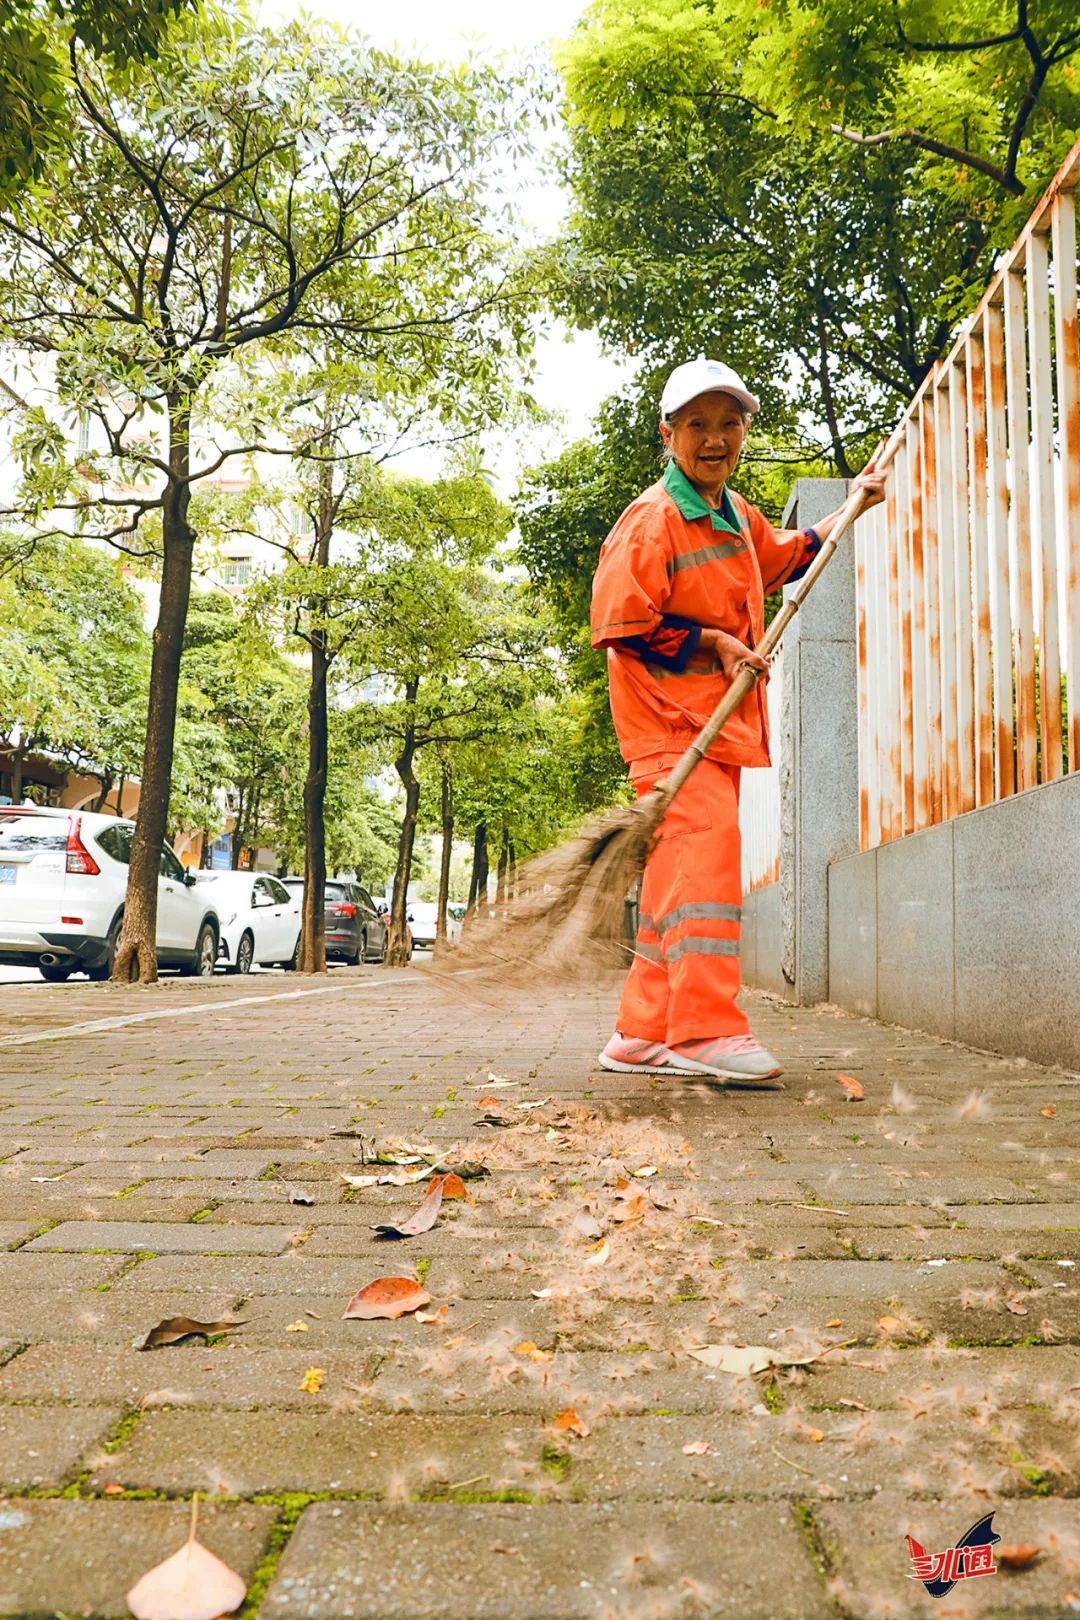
column 570, row 908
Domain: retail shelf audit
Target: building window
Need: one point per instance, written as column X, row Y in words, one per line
column 82, row 443
column 236, row 571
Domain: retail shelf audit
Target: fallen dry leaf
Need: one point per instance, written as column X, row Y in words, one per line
column 816, row 1435
column 570, row 1421
column 359, row 1181
column 112, row 1489
column 453, row 1186
column 696, row 1448
column 193, row 1584
column 586, row 1224
column 423, row 1220
column 1017, row 1557
column 646, row 1170
column 386, row 1299
column 1047, row 1113
column 890, row 1324
column 312, row 1381
column 1016, row 1305
column 631, row 1211
column 174, row 1328
column 742, row 1360
column 597, row 1255
column 528, row 1348
column 435, row 1317
column 297, row 1195
column 298, row 1327
column 495, row 1122
column 852, row 1086
column 836, row 1322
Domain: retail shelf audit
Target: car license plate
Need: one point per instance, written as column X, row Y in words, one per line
column 7, row 874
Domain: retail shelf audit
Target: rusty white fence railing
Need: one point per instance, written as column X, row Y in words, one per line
column 968, row 576
column 759, row 796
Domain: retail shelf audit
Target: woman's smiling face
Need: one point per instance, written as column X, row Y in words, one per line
column 706, row 437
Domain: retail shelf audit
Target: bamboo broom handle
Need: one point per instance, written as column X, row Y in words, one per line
column 747, row 678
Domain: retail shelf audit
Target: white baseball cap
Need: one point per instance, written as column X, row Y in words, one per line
column 703, row 376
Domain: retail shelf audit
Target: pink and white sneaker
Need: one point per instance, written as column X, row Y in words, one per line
column 728, row 1057
column 628, row 1054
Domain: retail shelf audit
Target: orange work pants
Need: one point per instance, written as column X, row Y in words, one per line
column 685, row 974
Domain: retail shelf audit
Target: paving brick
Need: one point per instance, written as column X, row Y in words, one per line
column 1032, row 1217
column 132, row 1237
column 42, row 1446
column 25, row 1270
column 351, row 1561
column 12, row 1232
column 82, row 1557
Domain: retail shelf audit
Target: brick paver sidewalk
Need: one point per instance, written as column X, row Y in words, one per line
column 919, row 1247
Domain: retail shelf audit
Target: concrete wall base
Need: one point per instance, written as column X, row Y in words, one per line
column 969, row 930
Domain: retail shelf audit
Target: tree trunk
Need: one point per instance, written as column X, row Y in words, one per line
column 17, row 758
column 501, row 895
column 398, row 952
column 312, row 950
column 99, row 802
column 237, row 834
column 478, row 882
column 511, row 871
column 121, row 785
column 447, row 851
column 136, row 956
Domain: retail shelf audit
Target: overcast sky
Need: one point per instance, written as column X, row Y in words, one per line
column 572, row 376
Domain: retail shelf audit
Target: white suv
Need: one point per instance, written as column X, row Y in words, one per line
column 63, row 879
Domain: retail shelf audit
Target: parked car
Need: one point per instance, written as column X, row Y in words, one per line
column 63, row 881
column 355, row 925
column 260, row 919
column 424, row 918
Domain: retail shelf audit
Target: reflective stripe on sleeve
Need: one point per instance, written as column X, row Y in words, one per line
column 705, row 554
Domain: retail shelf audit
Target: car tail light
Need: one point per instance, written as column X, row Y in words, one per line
column 76, row 922
column 345, row 910
column 79, row 858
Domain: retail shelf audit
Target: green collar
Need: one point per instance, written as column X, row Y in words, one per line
column 692, row 506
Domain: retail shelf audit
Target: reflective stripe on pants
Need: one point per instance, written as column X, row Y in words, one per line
column 684, row 978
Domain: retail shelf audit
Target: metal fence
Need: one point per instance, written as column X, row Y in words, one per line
column 968, row 576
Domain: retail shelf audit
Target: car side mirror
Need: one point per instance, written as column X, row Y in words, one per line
column 190, row 879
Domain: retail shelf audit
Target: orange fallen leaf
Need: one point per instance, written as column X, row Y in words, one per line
column 836, row 1322
column 569, row 1420
column 890, row 1324
column 453, row 1186
column 630, row 1210
column 852, row 1086
column 112, row 1489
column 436, row 1316
column 1047, row 1113
column 696, row 1448
column 528, row 1348
column 816, row 1435
column 191, row 1585
column 1018, row 1557
column 387, row 1298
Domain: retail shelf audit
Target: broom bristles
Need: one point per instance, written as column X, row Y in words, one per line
column 569, row 912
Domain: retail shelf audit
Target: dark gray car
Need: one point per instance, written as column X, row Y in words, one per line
column 355, row 928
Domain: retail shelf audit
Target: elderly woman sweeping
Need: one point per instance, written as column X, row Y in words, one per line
column 678, row 601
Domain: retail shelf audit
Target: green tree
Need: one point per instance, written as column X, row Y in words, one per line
column 74, row 657
column 255, row 189
column 35, row 42
column 716, row 207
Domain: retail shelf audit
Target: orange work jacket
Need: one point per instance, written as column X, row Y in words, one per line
column 671, row 555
